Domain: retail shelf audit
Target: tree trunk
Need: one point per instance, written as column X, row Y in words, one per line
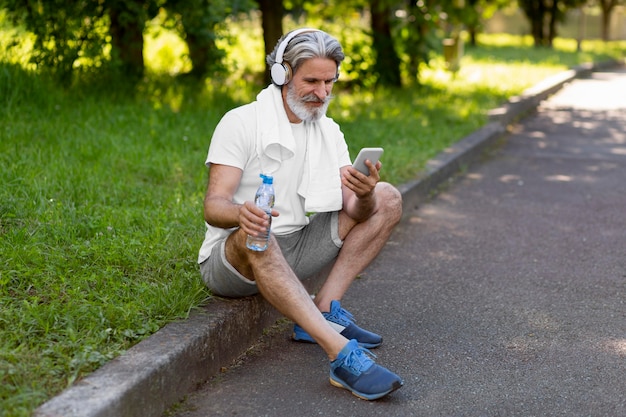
column 272, row 13
column 200, row 42
column 607, row 9
column 537, row 13
column 127, row 40
column 200, row 48
column 473, row 23
column 537, row 30
column 554, row 17
column 472, row 34
column 387, row 65
column 606, row 21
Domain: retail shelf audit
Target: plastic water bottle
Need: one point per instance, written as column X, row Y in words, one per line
column 264, row 199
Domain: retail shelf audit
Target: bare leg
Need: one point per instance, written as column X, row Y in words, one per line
column 362, row 243
column 282, row 289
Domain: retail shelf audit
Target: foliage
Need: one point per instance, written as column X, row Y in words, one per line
column 201, row 23
column 386, row 66
column 401, row 36
column 91, row 34
column 65, row 32
column 127, row 20
column 475, row 12
column 607, row 7
column 544, row 15
column 418, row 35
column 394, row 40
column 83, row 34
column 386, row 41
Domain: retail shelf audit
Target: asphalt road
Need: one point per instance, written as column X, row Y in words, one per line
column 503, row 296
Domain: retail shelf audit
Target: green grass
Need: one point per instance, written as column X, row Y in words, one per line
column 101, row 195
column 100, row 214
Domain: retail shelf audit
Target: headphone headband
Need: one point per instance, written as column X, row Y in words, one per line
column 283, row 45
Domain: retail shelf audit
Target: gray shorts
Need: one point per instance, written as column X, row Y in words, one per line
column 307, row 251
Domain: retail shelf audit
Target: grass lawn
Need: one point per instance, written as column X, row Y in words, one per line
column 101, row 195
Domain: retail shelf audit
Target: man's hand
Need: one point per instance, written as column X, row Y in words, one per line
column 221, row 211
column 362, row 185
column 253, row 220
column 359, row 197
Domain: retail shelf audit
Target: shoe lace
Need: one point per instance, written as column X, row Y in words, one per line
column 358, row 360
column 341, row 315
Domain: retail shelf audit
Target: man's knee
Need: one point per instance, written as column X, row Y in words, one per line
column 238, row 253
column 233, row 251
column 389, row 201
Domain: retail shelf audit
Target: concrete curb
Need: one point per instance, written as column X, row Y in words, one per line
column 161, row 370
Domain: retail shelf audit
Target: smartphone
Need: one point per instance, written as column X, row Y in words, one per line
column 373, row 154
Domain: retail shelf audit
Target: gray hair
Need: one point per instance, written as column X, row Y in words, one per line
column 307, row 45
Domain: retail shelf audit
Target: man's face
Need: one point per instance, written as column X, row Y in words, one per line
column 308, row 93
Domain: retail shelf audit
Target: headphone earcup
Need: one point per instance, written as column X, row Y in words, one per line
column 281, row 73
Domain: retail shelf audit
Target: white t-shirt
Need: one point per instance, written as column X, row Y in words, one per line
column 234, row 144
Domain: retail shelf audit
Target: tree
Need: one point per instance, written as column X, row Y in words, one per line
column 272, row 13
column 607, row 7
column 416, row 35
column 63, row 33
column 423, row 27
column 67, row 32
column 475, row 12
column 544, row 15
column 198, row 23
column 127, row 20
column 387, row 65
column 535, row 12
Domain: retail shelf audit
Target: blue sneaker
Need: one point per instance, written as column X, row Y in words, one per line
column 355, row 371
column 342, row 321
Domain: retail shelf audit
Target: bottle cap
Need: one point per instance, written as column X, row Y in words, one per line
column 267, row 179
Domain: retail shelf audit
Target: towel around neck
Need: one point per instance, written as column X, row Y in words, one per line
column 321, row 183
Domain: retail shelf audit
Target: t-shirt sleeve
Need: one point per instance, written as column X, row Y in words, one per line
column 232, row 142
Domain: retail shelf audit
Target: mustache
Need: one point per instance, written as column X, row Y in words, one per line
column 312, row 98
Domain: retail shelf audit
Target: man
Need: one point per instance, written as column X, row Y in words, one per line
column 286, row 134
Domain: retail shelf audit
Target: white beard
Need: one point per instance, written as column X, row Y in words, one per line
column 301, row 110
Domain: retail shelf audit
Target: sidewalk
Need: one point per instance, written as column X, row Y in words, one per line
column 479, row 307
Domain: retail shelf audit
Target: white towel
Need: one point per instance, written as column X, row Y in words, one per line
column 321, row 183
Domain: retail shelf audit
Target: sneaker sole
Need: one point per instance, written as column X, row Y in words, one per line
column 295, row 338
column 368, row 397
column 369, row 345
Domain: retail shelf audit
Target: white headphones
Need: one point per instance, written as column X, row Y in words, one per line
column 281, row 71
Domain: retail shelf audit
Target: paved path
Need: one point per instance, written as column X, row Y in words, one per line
column 504, row 296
